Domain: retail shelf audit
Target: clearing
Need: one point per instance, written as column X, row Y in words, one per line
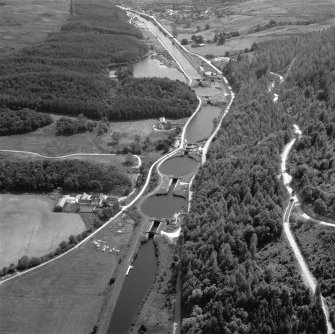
column 28, row 226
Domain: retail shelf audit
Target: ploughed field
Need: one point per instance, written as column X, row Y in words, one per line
column 28, row 226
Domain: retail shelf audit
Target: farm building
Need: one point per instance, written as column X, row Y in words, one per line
column 81, row 199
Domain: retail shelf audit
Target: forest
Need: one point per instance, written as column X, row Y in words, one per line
column 137, row 98
column 68, row 73
column 69, row 126
column 21, row 121
column 238, row 205
column 71, row 175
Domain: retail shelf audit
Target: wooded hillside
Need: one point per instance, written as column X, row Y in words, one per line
column 68, row 73
column 232, row 283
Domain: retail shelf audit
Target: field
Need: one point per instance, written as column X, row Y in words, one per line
column 130, row 130
column 28, row 226
column 67, row 295
column 44, row 141
column 246, row 17
column 25, row 22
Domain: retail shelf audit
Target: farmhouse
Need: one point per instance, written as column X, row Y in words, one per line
column 81, row 199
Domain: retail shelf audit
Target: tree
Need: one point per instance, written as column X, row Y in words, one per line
column 320, row 207
column 221, row 40
column 23, row 263
column 207, row 26
column 116, row 137
column 129, row 160
column 184, row 41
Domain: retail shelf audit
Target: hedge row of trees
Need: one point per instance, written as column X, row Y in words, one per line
column 72, row 175
column 26, row 262
column 21, row 121
column 237, row 210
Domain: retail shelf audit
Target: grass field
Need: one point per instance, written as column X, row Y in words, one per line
column 44, row 141
column 29, row 227
column 67, row 295
column 25, row 22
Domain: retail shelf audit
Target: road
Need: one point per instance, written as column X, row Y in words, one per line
column 307, row 276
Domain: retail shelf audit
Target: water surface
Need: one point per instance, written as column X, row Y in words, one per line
column 152, row 67
column 134, row 290
column 179, row 166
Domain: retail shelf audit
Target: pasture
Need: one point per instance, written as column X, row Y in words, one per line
column 25, row 22
column 28, row 226
column 67, row 296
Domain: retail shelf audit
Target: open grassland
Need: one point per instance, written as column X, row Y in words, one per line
column 25, row 22
column 29, row 227
column 67, row 295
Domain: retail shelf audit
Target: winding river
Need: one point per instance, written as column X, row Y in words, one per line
column 200, row 127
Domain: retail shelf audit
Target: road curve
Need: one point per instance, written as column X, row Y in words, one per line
column 305, row 273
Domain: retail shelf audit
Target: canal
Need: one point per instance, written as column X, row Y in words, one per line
column 141, row 277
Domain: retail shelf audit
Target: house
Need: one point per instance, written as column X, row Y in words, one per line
column 85, row 196
column 162, row 120
column 110, row 201
column 96, row 199
column 86, row 202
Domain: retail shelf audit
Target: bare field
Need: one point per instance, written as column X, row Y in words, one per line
column 29, row 227
column 25, row 22
column 66, row 296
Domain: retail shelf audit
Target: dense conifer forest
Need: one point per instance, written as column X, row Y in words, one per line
column 21, row 121
column 71, row 175
column 238, row 201
column 67, row 73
